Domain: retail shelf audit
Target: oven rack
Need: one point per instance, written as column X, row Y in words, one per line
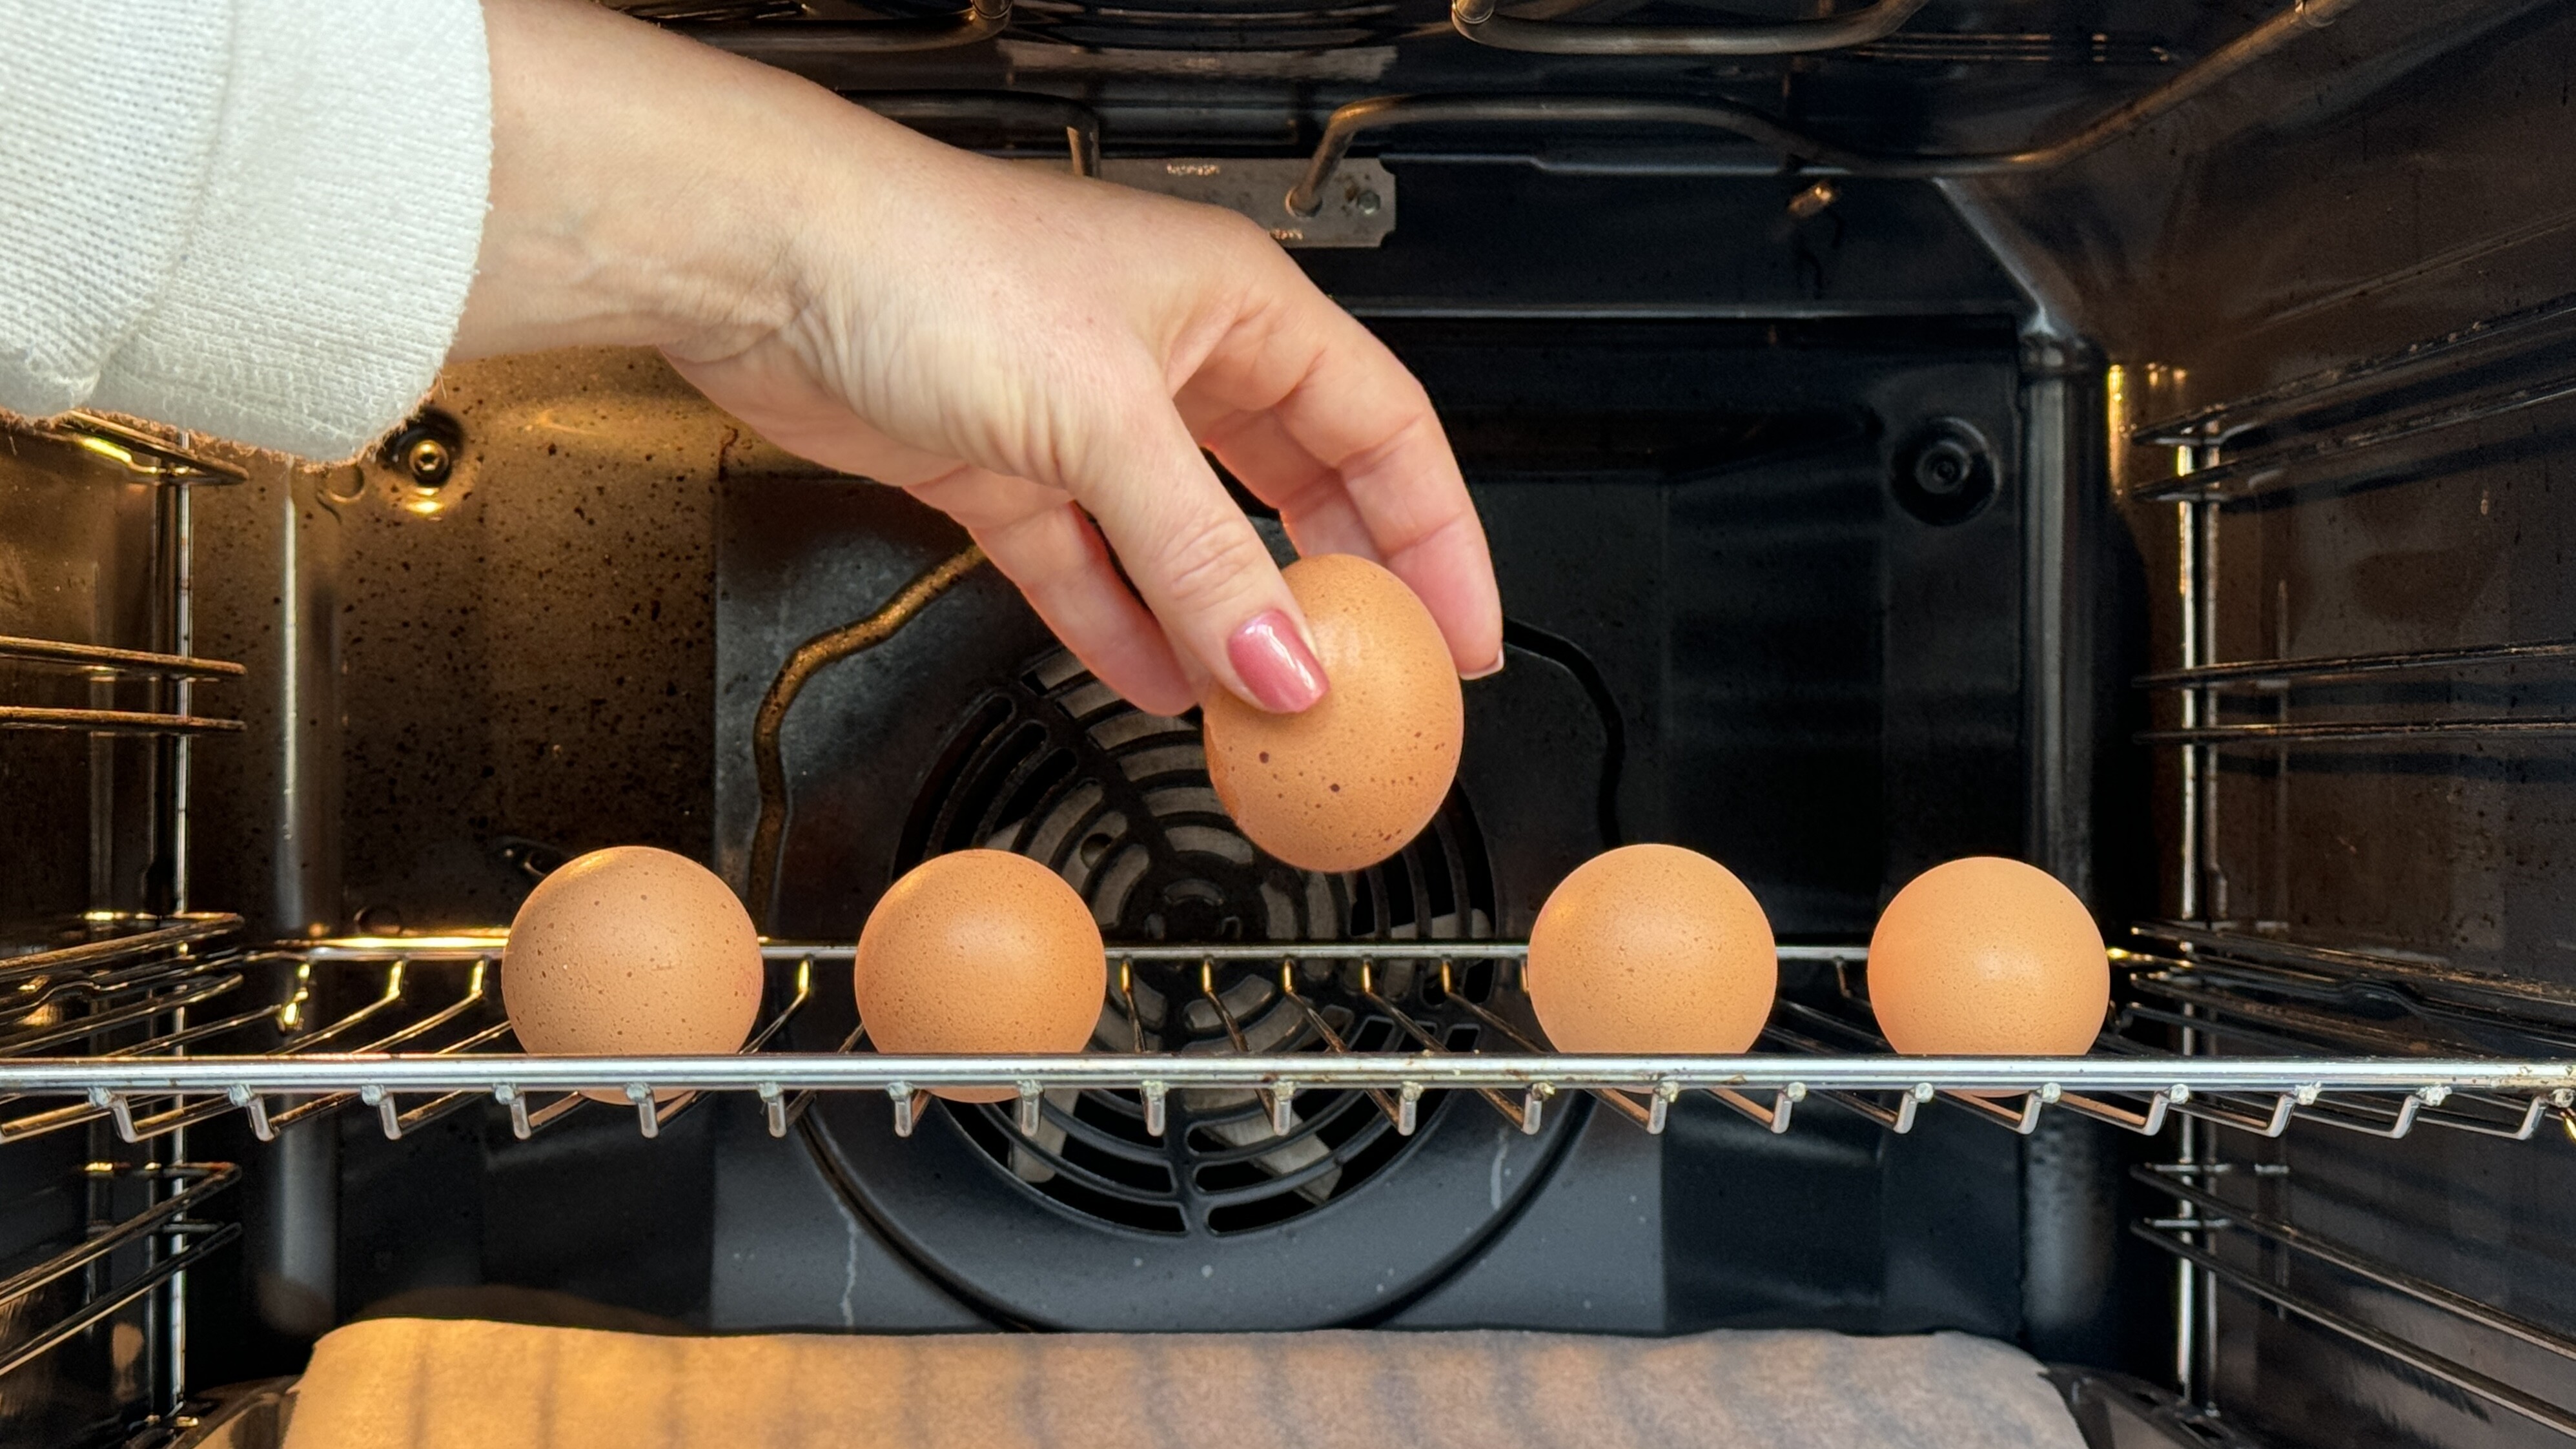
column 2207, row 1218
column 104, row 667
column 2286, row 1061
column 173, row 1238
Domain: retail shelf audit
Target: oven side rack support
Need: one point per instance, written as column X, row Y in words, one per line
column 178, row 1241
column 2194, row 1240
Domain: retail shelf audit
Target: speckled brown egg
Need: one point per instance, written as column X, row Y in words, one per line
column 1346, row 783
column 1988, row 957
column 979, row 951
column 631, row 951
column 1652, row 949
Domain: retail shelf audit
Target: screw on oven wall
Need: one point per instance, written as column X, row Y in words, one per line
column 534, row 859
column 1944, row 472
column 426, row 448
column 1812, row 202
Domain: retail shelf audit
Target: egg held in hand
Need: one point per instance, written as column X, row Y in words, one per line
column 979, row 952
column 631, row 951
column 1652, row 949
column 1348, row 782
column 1988, row 957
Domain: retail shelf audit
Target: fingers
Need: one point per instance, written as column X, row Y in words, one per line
column 1440, row 551
column 1342, row 440
column 1317, row 512
column 1192, row 554
column 1042, row 543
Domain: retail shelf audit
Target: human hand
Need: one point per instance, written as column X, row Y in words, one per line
column 1028, row 352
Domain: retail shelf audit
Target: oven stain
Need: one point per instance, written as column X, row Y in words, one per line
column 850, row 1277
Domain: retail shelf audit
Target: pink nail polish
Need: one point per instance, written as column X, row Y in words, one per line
column 1275, row 664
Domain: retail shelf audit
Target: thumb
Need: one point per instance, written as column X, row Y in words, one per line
column 1194, row 557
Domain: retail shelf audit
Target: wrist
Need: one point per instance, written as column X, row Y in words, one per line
column 633, row 193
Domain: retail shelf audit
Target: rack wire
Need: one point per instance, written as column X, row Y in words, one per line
column 99, row 659
column 178, row 1240
column 162, row 460
column 110, row 939
column 2203, row 683
column 2193, row 1241
column 103, row 667
column 113, row 721
column 2385, row 416
column 2270, row 674
column 425, row 1037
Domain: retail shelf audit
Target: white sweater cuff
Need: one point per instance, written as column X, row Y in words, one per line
column 311, row 200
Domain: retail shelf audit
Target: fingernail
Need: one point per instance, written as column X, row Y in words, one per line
column 1489, row 671
column 1275, row 664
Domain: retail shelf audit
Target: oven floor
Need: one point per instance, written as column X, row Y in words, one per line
column 428, row 1384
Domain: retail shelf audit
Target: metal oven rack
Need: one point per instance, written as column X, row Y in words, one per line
column 442, row 1055
column 423, row 1037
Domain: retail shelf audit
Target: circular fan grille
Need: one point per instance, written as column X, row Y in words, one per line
column 1055, row 766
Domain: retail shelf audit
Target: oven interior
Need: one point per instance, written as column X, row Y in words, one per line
column 2175, row 510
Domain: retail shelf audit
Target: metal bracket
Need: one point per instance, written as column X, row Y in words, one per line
column 1355, row 209
column 140, row 452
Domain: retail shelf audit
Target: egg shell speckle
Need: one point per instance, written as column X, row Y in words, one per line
column 1347, row 783
column 1988, row 957
column 631, row 951
column 979, row 951
column 1652, row 948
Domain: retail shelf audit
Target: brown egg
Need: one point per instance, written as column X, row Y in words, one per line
column 1347, row 783
column 1652, row 949
column 1988, row 957
column 983, row 952
column 631, row 951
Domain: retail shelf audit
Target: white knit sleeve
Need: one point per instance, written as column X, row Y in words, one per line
column 255, row 218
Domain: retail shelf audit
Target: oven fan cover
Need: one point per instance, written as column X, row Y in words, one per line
column 1220, row 1223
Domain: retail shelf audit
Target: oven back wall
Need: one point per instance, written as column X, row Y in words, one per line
column 519, row 665
column 1760, row 647
column 1728, row 630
